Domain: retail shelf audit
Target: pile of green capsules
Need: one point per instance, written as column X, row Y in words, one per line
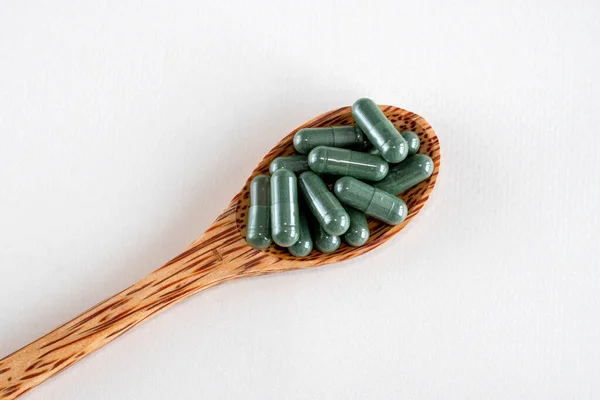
column 355, row 154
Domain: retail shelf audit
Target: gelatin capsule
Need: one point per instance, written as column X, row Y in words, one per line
column 407, row 174
column 370, row 200
column 334, row 136
column 379, row 130
column 284, row 208
column 335, row 161
column 304, row 245
column 324, row 242
column 358, row 233
column 413, row 142
column 323, row 204
column 258, row 231
column 297, row 164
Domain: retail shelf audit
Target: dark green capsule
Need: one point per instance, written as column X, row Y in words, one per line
column 372, row 201
column 407, row 174
column 413, row 142
column 322, row 203
column 350, row 137
column 324, row 242
column 379, row 130
column 284, row 208
column 296, row 164
column 304, row 245
column 358, row 233
column 335, row 161
column 258, row 232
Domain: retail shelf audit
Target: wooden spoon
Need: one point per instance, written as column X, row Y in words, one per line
column 219, row 255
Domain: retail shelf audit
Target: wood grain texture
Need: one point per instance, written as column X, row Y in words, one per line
column 219, row 255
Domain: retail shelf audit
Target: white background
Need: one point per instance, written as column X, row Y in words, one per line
column 126, row 127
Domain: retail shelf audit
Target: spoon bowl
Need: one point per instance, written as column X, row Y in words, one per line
column 219, row 255
column 414, row 197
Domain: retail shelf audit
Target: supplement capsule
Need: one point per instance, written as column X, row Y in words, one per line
column 358, row 233
column 334, row 161
column 413, row 142
column 334, row 136
column 372, row 201
column 379, row 130
column 284, row 208
column 324, row 242
column 296, row 164
column 322, row 203
column 407, row 174
column 258, row 233
column 304, row 245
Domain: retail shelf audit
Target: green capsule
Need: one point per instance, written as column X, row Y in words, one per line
column 324, row 242
column 296, row 164
column 322, row 203
column 334, row 161
column 358, row 233
column 413, row 142
column 334, row 136
column 304, row 245
column 258, row 232
column 284, row 208
column 407, row 174
column 372, row 201
column 379, row 130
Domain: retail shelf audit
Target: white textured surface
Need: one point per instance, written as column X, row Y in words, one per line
column 116, row 121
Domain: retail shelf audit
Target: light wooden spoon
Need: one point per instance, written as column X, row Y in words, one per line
column 219, row 255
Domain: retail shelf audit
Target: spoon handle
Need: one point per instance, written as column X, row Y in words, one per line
column 218, row 256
